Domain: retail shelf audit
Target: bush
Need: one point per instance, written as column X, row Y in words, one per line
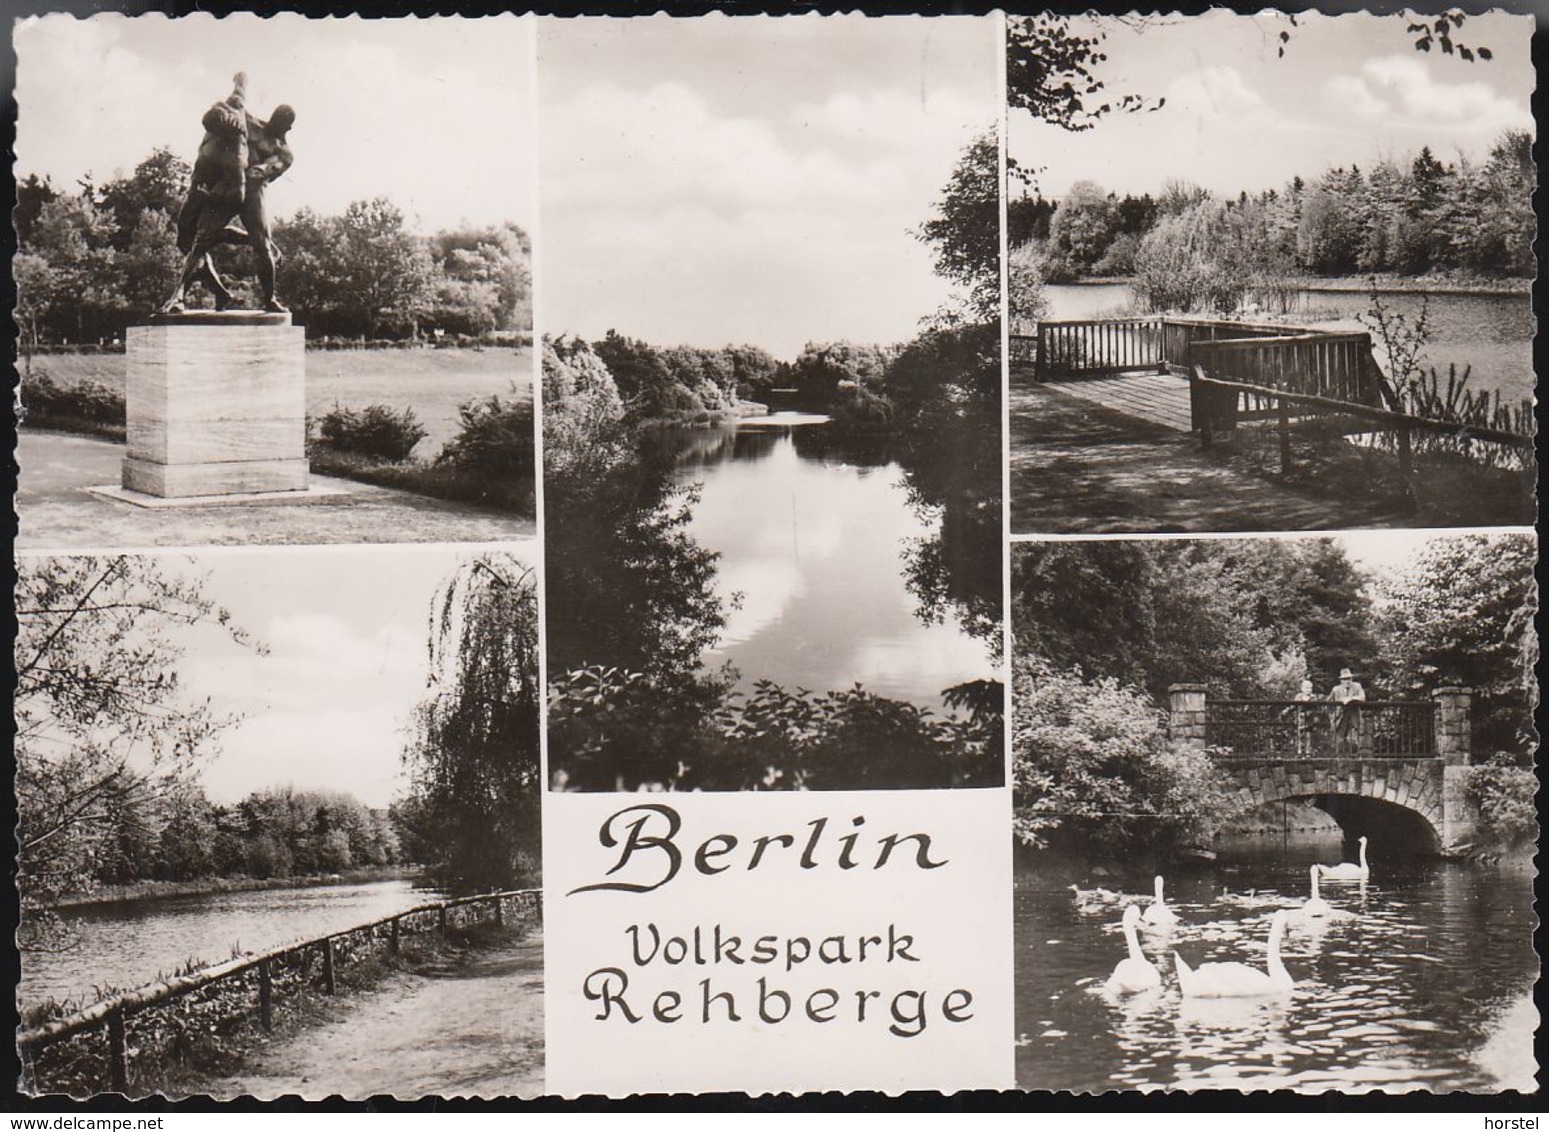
column 1094, row 769
column 87, row 405
column 1505, row 794
column 376, row 431
column 859, row 407
column 495, row 444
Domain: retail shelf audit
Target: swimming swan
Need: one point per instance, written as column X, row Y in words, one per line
column 1345, row 870
column 1316, row 905
column 1159, row 914
column 1238, row 980
column 1135, row 973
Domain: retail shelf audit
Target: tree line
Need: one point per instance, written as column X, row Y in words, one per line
column 1102, row 630
column 93, row 261
column 275, row 833
column 1187, row 248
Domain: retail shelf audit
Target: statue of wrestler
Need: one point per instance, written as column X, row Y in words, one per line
column 213, row 202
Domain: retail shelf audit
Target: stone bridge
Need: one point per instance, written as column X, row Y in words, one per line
column 1394, row 771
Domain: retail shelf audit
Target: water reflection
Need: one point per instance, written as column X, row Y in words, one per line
column 813, row 527
column 129, row 944
column 1422, row 978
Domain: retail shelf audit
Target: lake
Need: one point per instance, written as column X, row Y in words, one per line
column 1422, row 980
column 129, row 944
column 812, row 530
column 1491, row 333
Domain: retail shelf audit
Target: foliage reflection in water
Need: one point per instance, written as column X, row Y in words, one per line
column 814, row 530
column 1421, row 979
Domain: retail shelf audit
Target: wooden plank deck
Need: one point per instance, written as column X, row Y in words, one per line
column 1160, row 398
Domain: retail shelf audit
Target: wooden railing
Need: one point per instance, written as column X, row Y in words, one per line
column 1180, row 336
column 250, row 984
column 1090, row 348
column 1216, row 405
column 1336, row 366
column 1291, row 730
column 1320, row 363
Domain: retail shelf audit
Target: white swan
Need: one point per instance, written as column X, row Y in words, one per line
column 1238, row 980
column 1347, row 871
column 1135, row 973
column 1159, row 914
column 1316, row 905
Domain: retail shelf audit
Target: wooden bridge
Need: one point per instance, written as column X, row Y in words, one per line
column 1393, row 770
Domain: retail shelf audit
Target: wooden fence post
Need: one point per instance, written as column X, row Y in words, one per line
column 441, row 920
column 394, row 943
column 1285, row 436
column 328, row 981
column 265, row 996
column 118, row 1053
column 1405, row 461
column 500, row 912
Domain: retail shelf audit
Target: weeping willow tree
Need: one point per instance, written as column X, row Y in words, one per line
column 473, row 756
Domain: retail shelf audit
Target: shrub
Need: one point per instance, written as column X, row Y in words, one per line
column 87, row 405
column 495, row 444
column 857, row 406
column 1505, row 795
column 376, row 431
column 1094, row 768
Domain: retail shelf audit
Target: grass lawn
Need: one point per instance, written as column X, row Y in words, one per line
column 431, row 382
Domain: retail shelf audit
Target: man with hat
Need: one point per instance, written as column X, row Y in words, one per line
column 1347, row 694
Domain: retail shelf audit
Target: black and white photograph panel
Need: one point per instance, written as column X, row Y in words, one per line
column 1269, row 272
column 279, row 823
column 772, row 403
column 274, row 280
column 1274, row 812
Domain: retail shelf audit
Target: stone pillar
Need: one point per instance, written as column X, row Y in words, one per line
column 1454, row 737
column 216, row 405
column 1186, row 724
column 1458, row 814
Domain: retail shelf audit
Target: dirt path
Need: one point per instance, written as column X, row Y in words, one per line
column 56, row 512
column 473, row 1030
column 1078, row 468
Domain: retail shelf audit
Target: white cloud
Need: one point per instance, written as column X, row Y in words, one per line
column 672, row 220
column 1404, row 90
column 1217, row 91
column 434, row 114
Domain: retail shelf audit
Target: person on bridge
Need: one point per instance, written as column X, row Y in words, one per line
column 1347, row 717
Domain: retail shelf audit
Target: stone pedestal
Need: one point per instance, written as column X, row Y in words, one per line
column 216, row 405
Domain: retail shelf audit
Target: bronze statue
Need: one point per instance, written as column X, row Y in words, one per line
column 238, row 158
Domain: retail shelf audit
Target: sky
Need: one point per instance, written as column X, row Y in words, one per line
column 752, row 180
column 435, row 114
column 1350, row 89
column 328, row 705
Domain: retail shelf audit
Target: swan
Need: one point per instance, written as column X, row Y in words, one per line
column 1135, row 973
column 1159, row 914
column 1316, row 905
column 1347, row 871
column 1096, row 900
column 1238, row 980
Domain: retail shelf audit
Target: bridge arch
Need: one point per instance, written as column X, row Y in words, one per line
column 1397, row 804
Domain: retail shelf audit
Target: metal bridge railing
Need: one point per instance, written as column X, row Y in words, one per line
column 1292, row 730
